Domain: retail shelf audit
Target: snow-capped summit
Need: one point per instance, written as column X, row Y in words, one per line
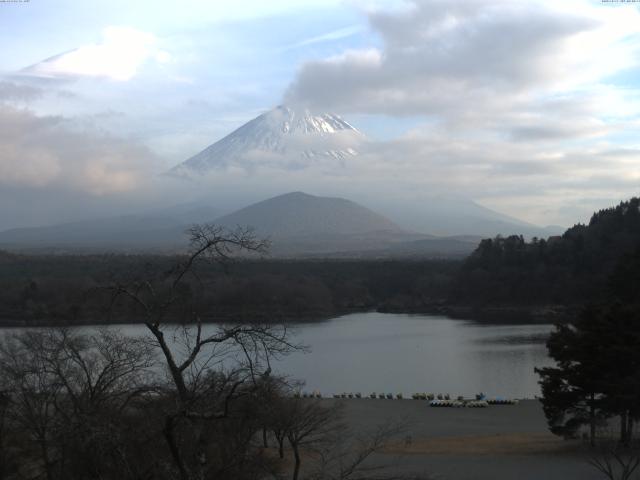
column 284, row 134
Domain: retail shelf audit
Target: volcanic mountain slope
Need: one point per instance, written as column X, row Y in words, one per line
column 453, row 215
column 300, row 224
column 293, row 134
column 299, row 214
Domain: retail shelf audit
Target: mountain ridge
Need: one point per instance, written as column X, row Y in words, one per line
column 301, row 214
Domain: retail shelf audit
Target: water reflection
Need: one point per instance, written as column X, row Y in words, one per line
column 517, row 339
column 408, row 353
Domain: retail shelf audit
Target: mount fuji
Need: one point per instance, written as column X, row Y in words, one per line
column 294, row 136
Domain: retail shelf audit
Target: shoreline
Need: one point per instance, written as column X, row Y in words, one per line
column 497, row 314
column 494, row 314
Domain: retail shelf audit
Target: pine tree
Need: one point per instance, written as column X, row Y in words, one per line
column 571, row 390
column 597, row 373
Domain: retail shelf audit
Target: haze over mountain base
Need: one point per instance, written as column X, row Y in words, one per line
column 298, row 225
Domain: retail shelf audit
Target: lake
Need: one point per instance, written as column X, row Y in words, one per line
column 391, row 353
column 367, row 352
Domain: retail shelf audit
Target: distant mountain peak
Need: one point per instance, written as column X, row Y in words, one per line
column 294, row 133
column 296, row 194
column 292, row 120
column 300, row 214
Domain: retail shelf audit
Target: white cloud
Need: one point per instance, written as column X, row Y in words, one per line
column 14, row 92
column 519, row 98
column 41, row 152
column 442, row 58
column 532, row 181
column 118, row 57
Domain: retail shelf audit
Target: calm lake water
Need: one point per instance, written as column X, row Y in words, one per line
column 366, row 352
column 378, row 352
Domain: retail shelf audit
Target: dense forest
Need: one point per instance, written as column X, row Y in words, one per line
column 69, row 289
column 564, row 270
column 504, row 277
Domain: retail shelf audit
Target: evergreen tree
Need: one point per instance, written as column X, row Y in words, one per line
column 571, row 390
column 620, row 333
column 597, row 373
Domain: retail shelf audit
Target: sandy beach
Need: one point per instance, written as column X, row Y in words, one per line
column 498, row 442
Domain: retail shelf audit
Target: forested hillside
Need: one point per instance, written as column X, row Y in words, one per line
column 565, row 270
column 70, row 289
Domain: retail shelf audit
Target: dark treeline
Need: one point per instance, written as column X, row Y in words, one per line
column 67, row 289
column 565, row 270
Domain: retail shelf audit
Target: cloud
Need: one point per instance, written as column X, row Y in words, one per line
column 118, row 57
column 444, row 58
column 520, row 104
column 44, row 151
column 10, row 91
column 532, row 181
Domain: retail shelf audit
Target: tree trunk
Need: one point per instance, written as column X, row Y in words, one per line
column 173, row 448
column 45, row 458
column 264, row 437
column 281, row 447
column 296, row 455
column 592, row 422
column 175, row 372
column 623, row 429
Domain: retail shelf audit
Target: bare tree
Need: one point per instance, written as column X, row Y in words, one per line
column 7, row 464
column 32, row 394
column 104, row 368
column 277, row 419
column 67, row 391
column 350, row 456
column 310, row 426
column 272, row 391
column 317, row 435
column 209, row 367
column 615, row 459
column 615, row 462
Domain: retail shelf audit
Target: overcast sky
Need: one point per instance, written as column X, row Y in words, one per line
column 529, row 107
